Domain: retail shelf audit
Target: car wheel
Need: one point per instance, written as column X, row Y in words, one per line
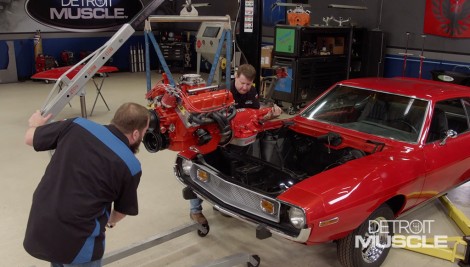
column 368, row 252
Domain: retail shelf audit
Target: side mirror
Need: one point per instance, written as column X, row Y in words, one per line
column 449, row 134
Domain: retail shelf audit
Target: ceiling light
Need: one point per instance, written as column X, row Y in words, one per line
column 347, row 7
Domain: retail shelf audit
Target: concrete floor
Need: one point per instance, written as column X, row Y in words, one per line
column 161, row 204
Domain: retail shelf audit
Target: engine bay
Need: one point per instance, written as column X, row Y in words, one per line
column 278, row 159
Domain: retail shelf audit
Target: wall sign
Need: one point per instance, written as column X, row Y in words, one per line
column 449, row 18
column 83, row 15
column 249, row 15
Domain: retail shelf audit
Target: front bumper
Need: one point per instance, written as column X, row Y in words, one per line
column 302, row 237
column 241, row 203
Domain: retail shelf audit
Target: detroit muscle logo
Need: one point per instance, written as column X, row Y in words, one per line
column 87, row 9
column 83, row 15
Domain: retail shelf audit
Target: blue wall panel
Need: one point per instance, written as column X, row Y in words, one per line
column 24, row 51
column 394, row 66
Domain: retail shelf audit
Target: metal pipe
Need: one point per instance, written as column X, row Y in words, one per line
column 151, row 242
column 228, row 67
column 83, row 106
column 380, row 14
column 174, row 18
column 147, row 60
column 202, row 88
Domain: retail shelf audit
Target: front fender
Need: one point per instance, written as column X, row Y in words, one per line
column 348, row 194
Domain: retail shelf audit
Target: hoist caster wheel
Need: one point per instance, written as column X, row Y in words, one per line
column 292, row 110
column 201, row 233
column 257, row 258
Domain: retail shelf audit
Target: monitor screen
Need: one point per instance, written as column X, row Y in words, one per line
column 285, row 40
column 211, row 32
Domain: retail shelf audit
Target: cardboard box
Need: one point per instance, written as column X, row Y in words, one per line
column 331, row 45
column 266, row 56
column 338, row 48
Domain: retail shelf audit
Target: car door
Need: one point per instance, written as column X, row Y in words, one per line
column 448, row 164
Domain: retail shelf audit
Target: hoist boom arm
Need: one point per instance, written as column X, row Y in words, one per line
column 70, row 87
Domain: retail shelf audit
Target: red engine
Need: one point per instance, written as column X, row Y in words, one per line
column 194, row 116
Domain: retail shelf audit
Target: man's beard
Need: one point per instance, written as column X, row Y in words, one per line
column 135, row 147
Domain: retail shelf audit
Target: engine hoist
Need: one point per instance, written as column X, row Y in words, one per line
column 188, row 115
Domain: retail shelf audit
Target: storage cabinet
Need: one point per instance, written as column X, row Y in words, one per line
column 307, row 77
column 173, row 51
column 299, row 41
column 367, row 53
column 176, row 54
column 358, row 55
column 317, row 57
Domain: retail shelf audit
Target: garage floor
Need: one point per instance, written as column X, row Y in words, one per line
column 161, row 204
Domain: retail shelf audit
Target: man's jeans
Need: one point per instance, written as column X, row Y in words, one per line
column 195, row 205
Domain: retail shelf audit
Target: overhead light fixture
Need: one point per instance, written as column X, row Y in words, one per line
column 291, row 4
column 347, row 7
column 279, row 3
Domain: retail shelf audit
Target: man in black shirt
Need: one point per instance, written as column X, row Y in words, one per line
column 243, row 91
column 93, row 167
column 245, row 95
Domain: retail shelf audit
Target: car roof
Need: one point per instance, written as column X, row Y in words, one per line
column 419, row 88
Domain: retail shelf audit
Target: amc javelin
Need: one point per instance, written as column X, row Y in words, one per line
column 366, row 150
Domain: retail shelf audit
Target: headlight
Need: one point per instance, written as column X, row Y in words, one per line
column 186, row 166
column 297, row 217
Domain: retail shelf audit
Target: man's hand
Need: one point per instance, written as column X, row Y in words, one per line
column 114, row 218
column 37, row 119
column 275, row 112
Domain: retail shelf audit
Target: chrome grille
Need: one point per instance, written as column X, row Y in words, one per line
column 235, row 195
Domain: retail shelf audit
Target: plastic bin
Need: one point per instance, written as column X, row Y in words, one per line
column 456, row 77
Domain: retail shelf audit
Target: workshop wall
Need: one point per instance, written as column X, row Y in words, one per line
column 216, row 8
column 403, row 16
column 54, row 44
column 18, row 27
column 319, row 9
column 397, row 18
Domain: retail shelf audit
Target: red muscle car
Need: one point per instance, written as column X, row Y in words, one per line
column 366, row 150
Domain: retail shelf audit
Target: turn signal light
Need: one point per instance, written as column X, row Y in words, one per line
column 329, row 222
column 203, row 176
column 267, row 206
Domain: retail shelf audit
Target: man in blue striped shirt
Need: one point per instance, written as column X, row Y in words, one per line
column 90, row 183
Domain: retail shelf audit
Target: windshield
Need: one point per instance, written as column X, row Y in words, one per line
column 388, row 115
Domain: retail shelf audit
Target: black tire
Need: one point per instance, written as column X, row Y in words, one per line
column 371, row 256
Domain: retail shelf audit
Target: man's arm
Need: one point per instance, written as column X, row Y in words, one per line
column 35, row 121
